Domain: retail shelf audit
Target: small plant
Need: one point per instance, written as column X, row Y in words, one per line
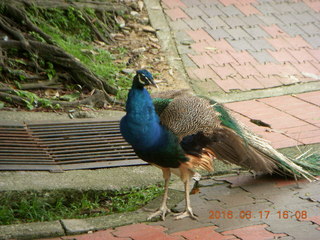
column 17, row 207
column 33, row 101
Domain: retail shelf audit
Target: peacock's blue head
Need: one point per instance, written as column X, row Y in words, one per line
column 143, row 78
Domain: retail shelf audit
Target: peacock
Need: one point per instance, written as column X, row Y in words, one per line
column 180, row 133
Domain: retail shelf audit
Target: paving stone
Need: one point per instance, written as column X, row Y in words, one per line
column 301, row 55
column 241, row 45
column 260, row 44
column 185, row 49
column 256, row 32
column 173, row 3
column 231, row 10
column 197, row 23
column 182, row 37
column 208, row 233
column 299, row 230
column 282, row 56
column 254, row 232
column 305, row 18
column 300, row 7
column 314, row 5
column 239, row 33
column 205, row 73
column 314, row 41
column 229, row 84
column 105, row 234
column 278, row 43
column 288, row 18
column 306, row 67
column 284, row 7
column 202, row 60
column 266, row 8
column 178, row 25
column 274, row 31
column 293, row 29
column 297, row 42
column 210, row 3
column 212, row 11
column 201, row 47
column 143, row 231
column 248, row 10
column 250, row 83
column 224, row 71
column 312, row 97
column 176, row 13
column 215, row 22
column 269, row 20
column 232, row 21
column 311, row 29
column 315, row 53
column 222, row 58
column 245, row 70
column 222, row 45
column 243, row 57
column 316, row 15
column 191, row 3
column 199, row 35
column 193, row 11
column 251, row 20
column 262, row 56
column 268, row 68
column 219, row 33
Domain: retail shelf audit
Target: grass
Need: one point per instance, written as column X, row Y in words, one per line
column 22, row 207
column 69, row 30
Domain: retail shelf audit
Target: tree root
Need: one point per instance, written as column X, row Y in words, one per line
column 14, row 21
column 96, row 100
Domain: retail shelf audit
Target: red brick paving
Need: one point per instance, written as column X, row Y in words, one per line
column 207, row 233
column 295, row 120
column 254, row 232
column 227, row 23
column 144, row 232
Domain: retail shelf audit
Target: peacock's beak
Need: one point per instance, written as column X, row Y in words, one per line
column 153, row 83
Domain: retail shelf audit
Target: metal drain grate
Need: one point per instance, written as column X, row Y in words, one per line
column 64, row 146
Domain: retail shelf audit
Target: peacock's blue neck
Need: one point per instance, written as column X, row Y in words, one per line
column 141, row 125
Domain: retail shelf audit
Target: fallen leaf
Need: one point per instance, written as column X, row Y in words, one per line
column 120, row 21
column 140, row 5
column 148, row 29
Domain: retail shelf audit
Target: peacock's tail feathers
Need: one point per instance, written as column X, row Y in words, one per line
column 201, row 162
column 261, row 155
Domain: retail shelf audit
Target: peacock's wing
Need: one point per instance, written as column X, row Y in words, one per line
column 187, row 115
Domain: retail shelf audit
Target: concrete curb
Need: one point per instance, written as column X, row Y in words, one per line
column 67, row 227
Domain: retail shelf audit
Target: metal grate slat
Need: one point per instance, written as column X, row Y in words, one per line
column 64, row 146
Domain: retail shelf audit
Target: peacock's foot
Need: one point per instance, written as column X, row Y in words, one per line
column 161, row 212
column 186, row 213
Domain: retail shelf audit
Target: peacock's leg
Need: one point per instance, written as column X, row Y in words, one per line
column 163, row 210
column 186, row 175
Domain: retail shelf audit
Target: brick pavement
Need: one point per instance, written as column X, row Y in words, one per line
column 246, row 45
column 236, row 46
column 234, row 207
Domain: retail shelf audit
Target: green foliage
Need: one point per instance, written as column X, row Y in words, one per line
column 17, row 207
column 70, row 97
column 32, row 100
column 69, row 30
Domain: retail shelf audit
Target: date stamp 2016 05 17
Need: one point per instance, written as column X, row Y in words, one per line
column 263, row 214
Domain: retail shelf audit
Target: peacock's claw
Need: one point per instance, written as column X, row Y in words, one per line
column 186, row 213
column 161, row 212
